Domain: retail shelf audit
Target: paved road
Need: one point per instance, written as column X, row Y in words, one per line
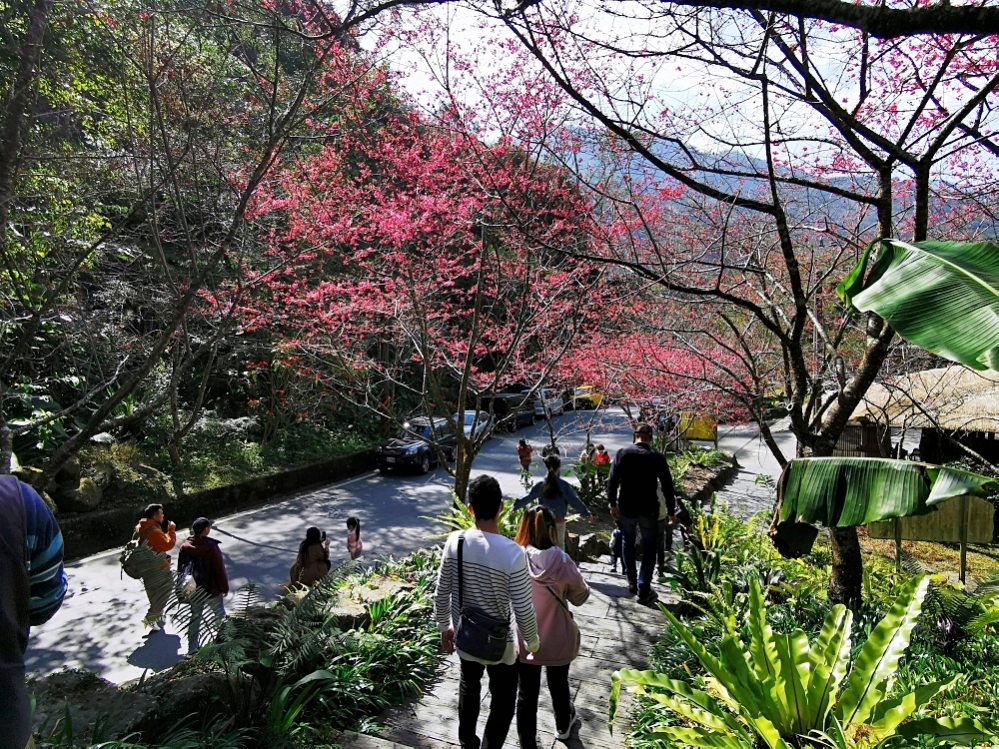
column 99, row 626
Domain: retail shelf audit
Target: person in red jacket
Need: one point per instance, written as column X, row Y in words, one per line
column 158, row 582
column 204, row 558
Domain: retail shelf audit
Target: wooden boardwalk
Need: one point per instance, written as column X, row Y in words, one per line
column 616, row 631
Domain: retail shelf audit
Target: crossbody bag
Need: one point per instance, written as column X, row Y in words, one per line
column 480, row 634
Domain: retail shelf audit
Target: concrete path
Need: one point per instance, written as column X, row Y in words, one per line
column 616, row 633
column 744, row 495
column 99, row 626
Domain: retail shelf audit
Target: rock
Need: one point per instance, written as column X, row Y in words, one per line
column 84, row 498
column 102, row 438
column 351, row 611
column 49, row 502
column 592, row 546
column 69, row 473
column 104, row 475
column 88, row 699
column 155, row 485
column 34, row 477
column 572, row 547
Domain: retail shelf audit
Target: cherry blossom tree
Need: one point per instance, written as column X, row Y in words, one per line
column 741, row 159
column 411, row 266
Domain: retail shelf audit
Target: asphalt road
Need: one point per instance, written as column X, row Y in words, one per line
column 99, row 626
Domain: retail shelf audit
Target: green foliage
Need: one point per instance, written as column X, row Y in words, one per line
column 592, row 479
column 680, row 463
column 844, row 492
column 459, row 517
column 783, row 691
column 942, row 296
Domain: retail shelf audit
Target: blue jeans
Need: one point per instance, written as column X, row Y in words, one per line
column 649, row 526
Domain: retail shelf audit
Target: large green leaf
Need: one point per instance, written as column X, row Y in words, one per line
column 942, row 296
column 889, row 713
column 874, row 670
column 830, row 656
column 956, row 731
column 841, row 492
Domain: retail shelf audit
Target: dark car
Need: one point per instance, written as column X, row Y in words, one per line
column 418, row 445
column 510, row 410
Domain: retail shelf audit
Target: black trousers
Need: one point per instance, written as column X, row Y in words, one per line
column 527, row 700
column 503, row 691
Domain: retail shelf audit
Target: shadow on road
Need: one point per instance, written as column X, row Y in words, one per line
column 158, row 652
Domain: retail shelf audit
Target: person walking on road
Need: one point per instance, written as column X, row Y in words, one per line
column 636, row 473
column 557, row 494
column 203, row 556
column 157, row 582
column 555, row 583
column 313, row 561
column 484, row 572
column 32, row 587
column 354, row 545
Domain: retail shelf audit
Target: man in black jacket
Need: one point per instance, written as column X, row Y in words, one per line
column 635, row 475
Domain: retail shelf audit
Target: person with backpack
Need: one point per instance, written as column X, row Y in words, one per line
column 157, row 581
column 201, row 558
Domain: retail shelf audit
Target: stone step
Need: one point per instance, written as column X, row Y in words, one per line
column 353, row 740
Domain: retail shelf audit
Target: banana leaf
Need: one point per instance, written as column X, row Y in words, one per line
column 942, row 296
column 843, row 492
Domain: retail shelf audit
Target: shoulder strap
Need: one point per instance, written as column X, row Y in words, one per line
column 563, row 603
column 461, row 543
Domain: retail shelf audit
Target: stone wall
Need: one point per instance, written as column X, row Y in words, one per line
column 89, row 533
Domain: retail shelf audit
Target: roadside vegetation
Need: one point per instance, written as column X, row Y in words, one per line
column 295, row 673
column 921, row 648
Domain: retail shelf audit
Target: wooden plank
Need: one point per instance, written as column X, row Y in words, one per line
column 944, row 525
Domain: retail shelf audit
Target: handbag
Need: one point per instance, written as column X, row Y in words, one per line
column 480, row 634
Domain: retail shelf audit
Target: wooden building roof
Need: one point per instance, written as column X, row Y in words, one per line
column 953, row 398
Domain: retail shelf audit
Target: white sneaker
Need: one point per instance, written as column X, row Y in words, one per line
column 574, row 720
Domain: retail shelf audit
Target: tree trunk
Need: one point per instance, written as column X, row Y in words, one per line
column 846, row 580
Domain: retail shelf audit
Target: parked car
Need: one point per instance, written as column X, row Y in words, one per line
column 475, row 424
column 548, row 402
column 418, row 445
column 586, row 396
column 509, row 410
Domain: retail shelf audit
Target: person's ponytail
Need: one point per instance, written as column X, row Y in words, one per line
column 551, row 487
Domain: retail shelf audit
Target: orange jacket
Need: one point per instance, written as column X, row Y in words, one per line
column 153, row 533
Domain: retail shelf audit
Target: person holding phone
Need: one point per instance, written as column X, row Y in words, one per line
column 161, row 536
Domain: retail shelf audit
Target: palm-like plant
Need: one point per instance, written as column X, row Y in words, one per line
column 943, row 296
column 844, row 492
column 783, row 692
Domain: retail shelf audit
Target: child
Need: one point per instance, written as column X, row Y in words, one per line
column 354, row 545
column 616, row 540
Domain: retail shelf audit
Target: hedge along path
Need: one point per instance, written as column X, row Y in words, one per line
column 616, row 632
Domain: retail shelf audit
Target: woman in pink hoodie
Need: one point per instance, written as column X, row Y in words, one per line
column 555, row 582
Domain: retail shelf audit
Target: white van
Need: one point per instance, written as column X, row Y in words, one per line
column 548, row 401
